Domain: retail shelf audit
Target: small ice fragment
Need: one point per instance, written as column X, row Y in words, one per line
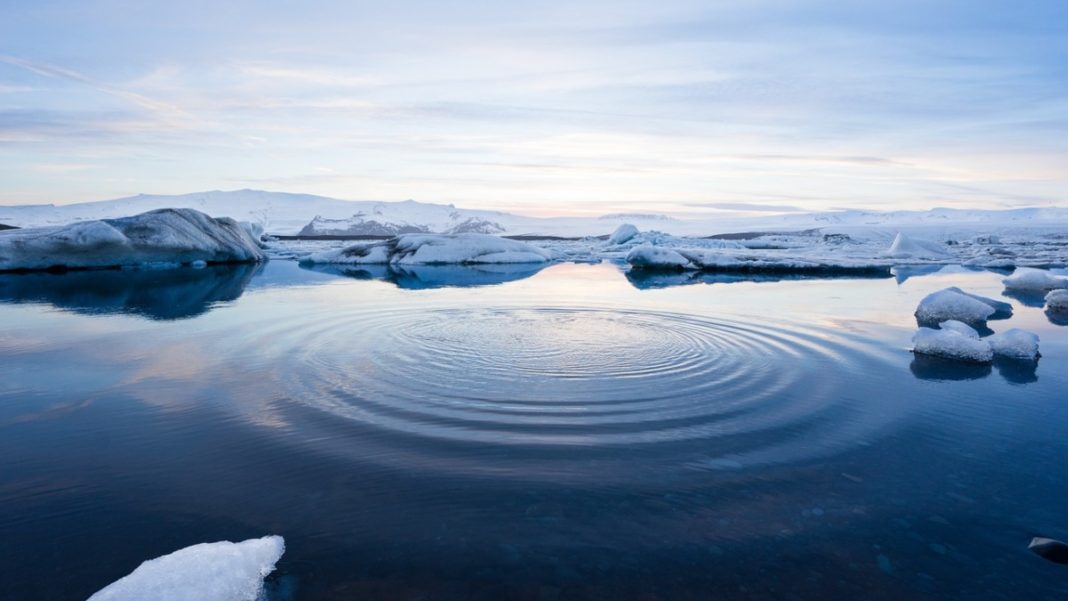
column 222, row 571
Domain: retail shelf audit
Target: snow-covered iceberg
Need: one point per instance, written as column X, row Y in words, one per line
column 623, row 234
column 1015, row 344
column 906, row 247
column 1057, row 300
column 436, row 249
column 222, row 571
column 953, row 340
column 1028, row 278
column 954, row 303
column 161, row 237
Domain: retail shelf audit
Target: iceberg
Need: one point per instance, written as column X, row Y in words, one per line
column 648, row 256
column 161, row 237
column 435, row 249
column 955, row 304
column 623, row 234
column 1057, row 300
column 953, row 340
column 1015, row 344
column 222, row 571
column 905, row 247
column 1028, row 278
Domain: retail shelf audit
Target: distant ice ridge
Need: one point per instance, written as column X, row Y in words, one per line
column 222, row 571
column 436, row 249
column 955, row 304
column 161, row 237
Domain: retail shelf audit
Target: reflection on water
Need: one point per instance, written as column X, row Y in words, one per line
column 420, row 277
column 1028, row 298
column 937, row 369
column 156, row 294
column 578, row 434
column 651, row 279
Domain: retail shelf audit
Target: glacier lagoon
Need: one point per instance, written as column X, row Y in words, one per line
column 537, row 432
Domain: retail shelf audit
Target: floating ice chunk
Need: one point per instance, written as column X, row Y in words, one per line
column 954, row 303
column 161, row 237
column 905, row 247
column 623, row 234
column 1028, row 278
column 955, row 340
column 1015, row 344
column 1057, row 300
column 436, row 249
column 222, row 571
column 654, row 257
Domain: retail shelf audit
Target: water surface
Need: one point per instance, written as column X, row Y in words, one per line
column 571, row 432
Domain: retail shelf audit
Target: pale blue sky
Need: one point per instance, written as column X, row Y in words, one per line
column 541, row 107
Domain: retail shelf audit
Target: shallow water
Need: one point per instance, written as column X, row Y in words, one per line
column 572, row 432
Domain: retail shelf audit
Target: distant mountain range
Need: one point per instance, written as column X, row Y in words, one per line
column 287, row 214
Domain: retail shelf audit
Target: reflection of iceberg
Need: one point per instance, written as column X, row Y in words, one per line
column 1028, row 298
column 929, row 367
column 650, row 279
column 1017, row 371
column 155, row 294
column 903, row 272
column 417, row 277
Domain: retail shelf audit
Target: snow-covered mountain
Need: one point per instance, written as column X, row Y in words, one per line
column 288, row 214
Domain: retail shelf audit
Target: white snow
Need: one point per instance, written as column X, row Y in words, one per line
column 954, row 303
column 1057, row 300
column 954, row 340
column 436, row 249
column 1026, row 278
column 222, row 571
column 1015, row 344
column 163, row 237
column 622, row 234
column 906, row 247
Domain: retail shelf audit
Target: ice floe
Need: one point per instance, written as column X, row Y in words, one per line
column 161, row 237
column 222, row 571
column 1015, row 344
column 1027, row 278
column 954, row 303
column 953, row 340
column 436, row 249
column 1057, row 300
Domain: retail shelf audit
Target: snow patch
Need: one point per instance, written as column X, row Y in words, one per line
column 222, row 571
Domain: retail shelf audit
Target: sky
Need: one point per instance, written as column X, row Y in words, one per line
column 542, row 108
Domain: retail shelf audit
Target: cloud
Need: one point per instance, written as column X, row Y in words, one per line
column 163, row 109
column 745, row 206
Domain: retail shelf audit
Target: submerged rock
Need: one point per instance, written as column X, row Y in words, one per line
column 1048, row 548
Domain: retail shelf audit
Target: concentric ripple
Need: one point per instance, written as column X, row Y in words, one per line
column 717, row 392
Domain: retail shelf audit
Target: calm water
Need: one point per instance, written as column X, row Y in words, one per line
column 565, row 433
